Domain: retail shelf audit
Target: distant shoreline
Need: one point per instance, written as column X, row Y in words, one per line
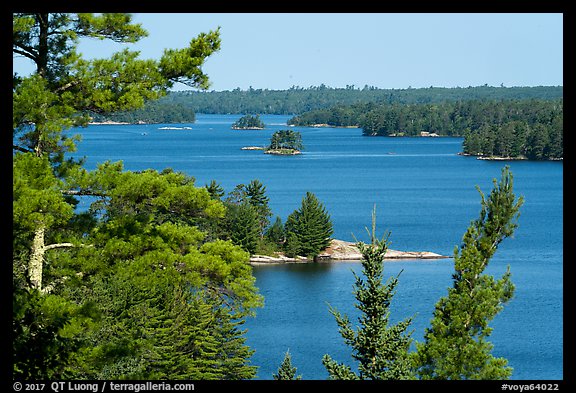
column 501, row 158
column 110, row 122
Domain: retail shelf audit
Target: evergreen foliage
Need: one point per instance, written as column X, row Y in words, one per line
column 455, row 345
column 215, row 190
column 286, row 140
column 308, row 229
column 298, row 100
column 153, row 112
column 248, row 214
column 530, row 129
column 256, row 197
column 276, row 233
column 243, row 226
column 286, row 371
column 134, row 287
column 379, row 347
column 248, row 122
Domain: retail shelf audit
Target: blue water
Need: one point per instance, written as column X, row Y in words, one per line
column 425, row 196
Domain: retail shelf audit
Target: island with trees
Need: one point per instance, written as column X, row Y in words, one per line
column 248, row 122
column 285, row 143
column 282, row 143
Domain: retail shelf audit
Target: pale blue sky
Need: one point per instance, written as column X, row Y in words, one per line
column 386, row 50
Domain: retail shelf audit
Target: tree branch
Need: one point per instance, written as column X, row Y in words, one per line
column 22, row 149
column 67, row 86
column 25, row 51
column 84, row 192
column 58, row 245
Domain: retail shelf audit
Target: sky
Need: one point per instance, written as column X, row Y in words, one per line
column 387, row 50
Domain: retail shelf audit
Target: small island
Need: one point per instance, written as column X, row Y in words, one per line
column 285, row 143
column 248, row 122
column 339, row 250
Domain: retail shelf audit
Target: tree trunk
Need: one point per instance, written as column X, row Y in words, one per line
column 36, row 262
column 37, row 258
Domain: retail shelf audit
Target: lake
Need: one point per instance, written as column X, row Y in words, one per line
column 425, row 196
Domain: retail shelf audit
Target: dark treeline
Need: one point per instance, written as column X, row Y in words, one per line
column 153, row 112
column 248, row 122
column 299, row 100
column 509, row 128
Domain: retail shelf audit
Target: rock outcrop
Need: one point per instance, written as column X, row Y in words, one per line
column 340, row 250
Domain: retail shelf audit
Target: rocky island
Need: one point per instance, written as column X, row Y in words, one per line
column 248, row 122
column 340, row 250
column 283, row 152
column 282, row 143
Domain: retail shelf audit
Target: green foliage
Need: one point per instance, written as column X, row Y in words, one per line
column 380, row 348
column 148, row 259
column 276, row 233
column 136, row 289
column 298, row 100
column 256, row 197
column 535, row 132
column 455, row 345
column 215, row 190
column 42, row 349
column 248, row 122
column 308, row 229
column 511, row 128
column 248, row 214
column 153, row 112
column 66, row 89
column 286, row 139
column 243, row 226
column 286, row 372
column 37, row 196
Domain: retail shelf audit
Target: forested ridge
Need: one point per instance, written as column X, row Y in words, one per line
column 297, row 100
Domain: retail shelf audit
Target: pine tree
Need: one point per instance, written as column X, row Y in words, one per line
column 286, row 372
column 256, row 196
column 215, row 190
column 243, row 226
column 309, row 228
column 275, row 233
column 455, row 345
column 380, row 347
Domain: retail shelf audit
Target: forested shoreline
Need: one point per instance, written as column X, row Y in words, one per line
column 298, row 100
column 510, row 122
column 530, row 129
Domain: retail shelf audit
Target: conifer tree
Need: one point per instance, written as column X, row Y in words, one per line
column 215, row 190
column 309, row 228
column 379, row 347
column 275, row 233
column 455, row 345
column 243, row 226
column 256, row 196
column 286, row 371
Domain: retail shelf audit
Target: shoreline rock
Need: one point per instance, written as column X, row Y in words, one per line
column 340, row 251
column 283, row 152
